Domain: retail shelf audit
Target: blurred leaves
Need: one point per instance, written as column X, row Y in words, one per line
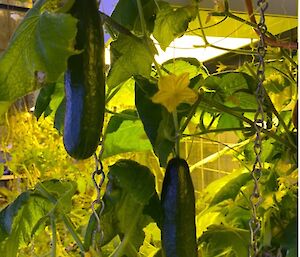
column 19, row 219
column 30, row 61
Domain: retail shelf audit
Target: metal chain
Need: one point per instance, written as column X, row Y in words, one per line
column 259, row 124
column 98, row 171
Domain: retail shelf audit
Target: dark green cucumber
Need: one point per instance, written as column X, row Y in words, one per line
column 85, row 83
column 178, row 205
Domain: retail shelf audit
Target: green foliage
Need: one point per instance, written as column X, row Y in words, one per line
column 126, row 13
column 223, row 241
column 31, row 59
column 171, row 23
column 156, row 120
column 131, row 57
column 131, row 217
column 125, row 134
column 129, row 190
column 31, row 209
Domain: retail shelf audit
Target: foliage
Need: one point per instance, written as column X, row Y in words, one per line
column 54, row 200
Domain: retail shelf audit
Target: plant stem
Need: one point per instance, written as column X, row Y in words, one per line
column 74, row 234
column 146, row 36
column 207, row 44
column 177, row 133
column 190, row 115
column 122, row 115
column 281, row 121
column 274, row 110
column 214, row 131
column 201, row 27
column 54, row 238
column 237, row 51
column 223, row 108
column 289, row 58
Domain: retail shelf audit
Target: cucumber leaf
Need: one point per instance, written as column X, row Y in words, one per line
column 30, row 61
column 43, row 100
column 233, row 82
column 227, row 187
column 223, row 241
column 19, row 220
column 125, row 134
column 171, row 23
column 126, row 13
column 131, row 57
column 157, row 122
column 130, row 188
column 228, row 121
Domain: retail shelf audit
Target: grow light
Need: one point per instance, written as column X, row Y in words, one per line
column 193, row 46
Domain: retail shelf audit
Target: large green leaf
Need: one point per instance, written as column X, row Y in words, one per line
column 224, row 241
column 131, row 57
column 227, row 187
column 157, row 122
column 228, row 121
column 233, row 82
column 243, row 100
column 125, row 135
column 37, row 53
column 130, row 188
column 58, row 192
column 171, row 23
column 126, row 13
column 184, row 64
column 19, row 220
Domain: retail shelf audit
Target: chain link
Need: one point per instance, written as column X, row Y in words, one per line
column 259, row 124
column 98, row 172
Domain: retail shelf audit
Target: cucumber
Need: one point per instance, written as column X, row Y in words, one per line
column 178, row 205
column 85, row 83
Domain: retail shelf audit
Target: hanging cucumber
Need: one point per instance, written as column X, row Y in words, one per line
column 178, row 204
column 85, row 83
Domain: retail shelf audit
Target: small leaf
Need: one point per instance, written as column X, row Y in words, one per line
column 123, row 135
column 132, row 57
column 228, row 121
column 243, row 100
column 233, row 82
column 182, row 64
column 58, row 192
column 60, row 116
column 227, row 187
column 171, row 23
column 43, row 99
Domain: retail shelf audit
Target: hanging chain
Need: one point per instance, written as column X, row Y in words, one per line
column 255, row 198
column 98, row 172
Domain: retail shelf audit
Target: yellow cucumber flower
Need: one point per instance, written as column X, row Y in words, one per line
column 174, row 90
